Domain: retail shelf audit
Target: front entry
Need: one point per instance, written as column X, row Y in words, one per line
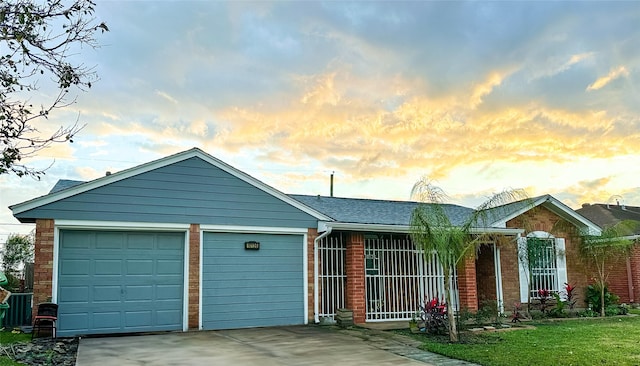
column 488, row 276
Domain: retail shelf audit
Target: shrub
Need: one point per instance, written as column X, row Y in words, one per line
column 558, row 311
column 488, row 312
column 593, row 298
column 543, row 300
column 433, row 316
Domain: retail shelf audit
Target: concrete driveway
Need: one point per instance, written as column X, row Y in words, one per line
column 297, row 345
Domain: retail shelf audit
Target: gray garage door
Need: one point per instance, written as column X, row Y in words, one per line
column 252, row 288
column 120, row 282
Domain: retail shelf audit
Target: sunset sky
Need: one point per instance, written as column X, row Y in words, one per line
column 479, row 96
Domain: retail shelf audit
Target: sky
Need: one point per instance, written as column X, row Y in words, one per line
column 477, row 96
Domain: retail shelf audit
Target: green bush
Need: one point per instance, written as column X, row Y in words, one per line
column 593, row 298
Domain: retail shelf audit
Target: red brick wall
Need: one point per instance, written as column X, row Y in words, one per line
column 43, row 262
column 486, row 274
column 194, row 277
column 635, row 269
column 312, row 234
column 467, row 284
column 355, row 291
column 541, row 219
column 509, row 270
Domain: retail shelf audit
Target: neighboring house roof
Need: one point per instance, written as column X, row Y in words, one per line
column 371, row 211
column 66, row 188
column 607, row 215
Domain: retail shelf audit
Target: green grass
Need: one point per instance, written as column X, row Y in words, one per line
column 609, row 341
column 6, row 337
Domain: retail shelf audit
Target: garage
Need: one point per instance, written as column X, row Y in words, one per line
column 252, row 280
column 120, row 281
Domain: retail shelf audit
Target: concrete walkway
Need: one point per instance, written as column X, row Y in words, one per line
column 297, row 345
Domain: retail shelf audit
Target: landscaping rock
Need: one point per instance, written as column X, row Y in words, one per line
column 44, row 351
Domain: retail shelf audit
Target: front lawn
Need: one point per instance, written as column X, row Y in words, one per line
column 6, row 338
column 608, row 341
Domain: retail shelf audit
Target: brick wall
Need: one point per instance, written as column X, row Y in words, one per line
column 194, row 277
column 634, row 261
column 312, row 234
column 467, row 284
column 43, row 262
column 355, row 291
column 509, row 271
column 541, row 219
column 486, row 274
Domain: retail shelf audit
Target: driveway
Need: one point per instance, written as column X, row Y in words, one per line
column 296, row 345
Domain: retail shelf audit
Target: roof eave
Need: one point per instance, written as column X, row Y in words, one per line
column 403, row 229
column 556, row 207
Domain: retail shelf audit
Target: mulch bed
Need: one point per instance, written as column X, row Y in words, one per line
column 43, row 352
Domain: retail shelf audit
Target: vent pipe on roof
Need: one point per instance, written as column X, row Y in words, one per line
column 331, row 185
column 108, row 173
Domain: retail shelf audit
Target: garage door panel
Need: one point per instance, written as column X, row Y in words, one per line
column 249, row 288
column 240, row 290
column 74, row 266
column 168, row 266
column 140, row 267
column 107, row 267
column 251, row 302
column 74, row 293
column 106, row 293
column 109, row 240
column 114, row 282
column 168, row 317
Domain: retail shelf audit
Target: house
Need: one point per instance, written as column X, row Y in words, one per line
column 189, row 242
column 624, row 278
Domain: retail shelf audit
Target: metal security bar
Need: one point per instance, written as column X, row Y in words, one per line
column 332, row 275
column 544, row 273
column 398, row 278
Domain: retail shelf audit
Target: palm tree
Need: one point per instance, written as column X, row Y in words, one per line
column 599, row 252
column 432, row 230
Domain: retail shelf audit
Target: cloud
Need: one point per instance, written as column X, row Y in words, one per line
column 480, row 90
column 611, row 76
column 166, row 97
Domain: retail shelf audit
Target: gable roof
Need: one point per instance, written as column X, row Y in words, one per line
column 68, row 188
column 607, row 215
column 507, row 212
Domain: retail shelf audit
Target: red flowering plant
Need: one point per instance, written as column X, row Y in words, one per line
column 433, row 317
column 569, row 295
column 516, row 315
column 544, row 296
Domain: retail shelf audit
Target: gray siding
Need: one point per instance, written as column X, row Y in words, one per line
column 191, row 191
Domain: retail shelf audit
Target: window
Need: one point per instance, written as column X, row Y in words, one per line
column 544, row 271
column 542, row 263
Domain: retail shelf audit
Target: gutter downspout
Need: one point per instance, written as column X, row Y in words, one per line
column 316, row 300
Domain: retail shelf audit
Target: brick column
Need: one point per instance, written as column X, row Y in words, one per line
column 194, row 276
column 467, row 288
column 355, row 291
column 43, row 263
column 634, row 259
column 312, row 234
